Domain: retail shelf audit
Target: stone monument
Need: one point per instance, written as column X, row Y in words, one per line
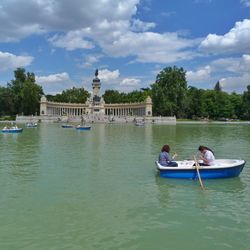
column 95, row 102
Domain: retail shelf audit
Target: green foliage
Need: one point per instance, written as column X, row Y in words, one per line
column 171, row 96
column 195, row 106
column 6, row 101
column 8, row 118
column 74, row 95
column 138, row 96
column 236, row 101
column 24, row 93
column 246, row 103
column 225, row 107
column 169, row 92
column 31, row 97
column 114, row 96
column 212, row 104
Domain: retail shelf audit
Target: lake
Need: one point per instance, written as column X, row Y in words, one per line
column 98, row 189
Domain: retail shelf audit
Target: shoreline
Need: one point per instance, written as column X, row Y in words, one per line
column 97, row 118
column 163, row 123
column 213, row 122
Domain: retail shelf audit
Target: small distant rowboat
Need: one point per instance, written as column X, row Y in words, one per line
column 80, row 127
column 140, row 124
column 12, row 129
column 223, row 168
column 31, row 125
column 68, row 126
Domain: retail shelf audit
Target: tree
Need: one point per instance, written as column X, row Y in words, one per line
column 224, row 106
column 74, row 95
column 112, row 96
column 217, row 86
column 210, row 105
column 31, row 93
column 246, row 103
column 6, row 102
column 138, row 96
column 169, row 92
column 26, row 93
column 195, row 104
column 237, row 101
column 16, row 87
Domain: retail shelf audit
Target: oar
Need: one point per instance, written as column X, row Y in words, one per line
column 198, row 173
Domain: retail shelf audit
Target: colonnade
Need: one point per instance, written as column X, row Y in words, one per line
column 125, row 111
column 60, row 111
column 77, row 109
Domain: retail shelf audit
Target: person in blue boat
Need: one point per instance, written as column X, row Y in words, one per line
column 207, row 155
column 164, row 157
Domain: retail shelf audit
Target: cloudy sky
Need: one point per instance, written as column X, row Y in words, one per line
column 63, row 42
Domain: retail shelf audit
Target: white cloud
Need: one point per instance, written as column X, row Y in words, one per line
column 228, row 64
column 235, row 83
column 238, row 68
column 91, row 23
column 71, row 41
column 244, row 65
column 138, row 25
column 107, row 75
column 151, row 47
column 235, row 65
column 112, row 79
column 55, row 83
column 21, row 18
column 10, row 61
column 89, row 60
column 53, row 78
column 200, row 75
column 245, row 2
column 130, row 82
column 235, row 41
column 232, row 72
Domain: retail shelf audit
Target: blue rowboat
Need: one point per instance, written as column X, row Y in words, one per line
column 223, row 168
column 13, row 129
column 79, row 127
column 68, row 126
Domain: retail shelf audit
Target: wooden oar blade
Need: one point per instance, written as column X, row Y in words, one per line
column 198, row 173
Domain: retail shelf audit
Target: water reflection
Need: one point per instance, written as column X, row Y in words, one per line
column 172, row 193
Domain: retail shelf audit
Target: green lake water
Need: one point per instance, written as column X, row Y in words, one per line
column 66, row 189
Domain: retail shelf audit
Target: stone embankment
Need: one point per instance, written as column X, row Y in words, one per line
column 97, row 119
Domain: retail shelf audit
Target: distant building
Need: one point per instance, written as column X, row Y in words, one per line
column 95, row 105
